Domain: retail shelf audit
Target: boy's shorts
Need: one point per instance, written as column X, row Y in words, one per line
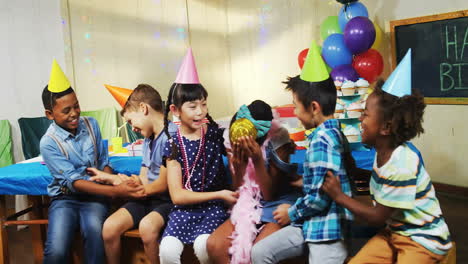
column 140, row 208
column 388, row 247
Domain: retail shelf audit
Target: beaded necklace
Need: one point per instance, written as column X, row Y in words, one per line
column 189, row 170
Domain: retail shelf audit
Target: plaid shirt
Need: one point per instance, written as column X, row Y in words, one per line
column 321, row 217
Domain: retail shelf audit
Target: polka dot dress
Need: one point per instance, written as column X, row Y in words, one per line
column 187, row 222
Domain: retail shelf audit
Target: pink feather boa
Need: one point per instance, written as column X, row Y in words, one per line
column 245, row 216
column 247, row 212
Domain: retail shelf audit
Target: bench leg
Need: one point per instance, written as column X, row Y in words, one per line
column 4, row 257
column 37, row 231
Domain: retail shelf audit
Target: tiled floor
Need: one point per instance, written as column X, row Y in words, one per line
column 453, row 207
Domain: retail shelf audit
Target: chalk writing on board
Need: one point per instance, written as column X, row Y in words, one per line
column 439, row 45
column 451, row 74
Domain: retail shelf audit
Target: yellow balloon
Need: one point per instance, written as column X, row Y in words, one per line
column 378, row 36
column 242, row 127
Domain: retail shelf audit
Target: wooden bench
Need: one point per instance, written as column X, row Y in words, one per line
column 37, row 226
column 133, row 251
column 132, row 246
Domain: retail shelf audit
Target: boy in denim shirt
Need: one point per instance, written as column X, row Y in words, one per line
column 316, row 220
column 70, row 146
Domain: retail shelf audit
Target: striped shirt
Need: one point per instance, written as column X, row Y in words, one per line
column 320, row 216
column 404, row 183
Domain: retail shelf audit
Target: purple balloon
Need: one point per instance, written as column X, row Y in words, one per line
column 359, row 34
column 344, row 72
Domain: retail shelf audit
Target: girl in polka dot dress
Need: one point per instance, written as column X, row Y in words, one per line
column 193, row 158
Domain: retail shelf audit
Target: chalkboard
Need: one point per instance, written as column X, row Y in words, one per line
column 439, row 46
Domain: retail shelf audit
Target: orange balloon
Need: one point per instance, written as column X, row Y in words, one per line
column 120, row 94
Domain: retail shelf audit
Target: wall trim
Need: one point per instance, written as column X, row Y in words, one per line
column 451, row 189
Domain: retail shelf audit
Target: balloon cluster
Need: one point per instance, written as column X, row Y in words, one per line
column 350, row 43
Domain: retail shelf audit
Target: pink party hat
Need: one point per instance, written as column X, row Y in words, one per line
column 188, row 71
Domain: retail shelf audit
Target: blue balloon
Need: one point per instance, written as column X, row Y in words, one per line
column 347, row 12
column 335, row 52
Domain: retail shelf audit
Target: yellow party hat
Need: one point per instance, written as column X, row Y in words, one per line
column 58, row 82
column 314, row 69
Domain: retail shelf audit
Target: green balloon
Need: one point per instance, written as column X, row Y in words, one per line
column 330, row 26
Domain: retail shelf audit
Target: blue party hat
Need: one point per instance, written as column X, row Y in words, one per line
column 399, row 82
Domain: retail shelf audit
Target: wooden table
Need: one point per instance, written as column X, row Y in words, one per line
column 31, row 179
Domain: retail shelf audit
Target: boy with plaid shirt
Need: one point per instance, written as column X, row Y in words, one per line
column 317, row 222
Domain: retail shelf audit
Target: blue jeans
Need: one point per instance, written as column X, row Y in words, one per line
column 66, row 216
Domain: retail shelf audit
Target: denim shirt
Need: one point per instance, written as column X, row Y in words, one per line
column 153, row 152
column 80, row 149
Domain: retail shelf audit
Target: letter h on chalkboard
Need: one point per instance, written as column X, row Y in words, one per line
column 439, row 45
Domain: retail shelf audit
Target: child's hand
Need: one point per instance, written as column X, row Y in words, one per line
column 135, row 178
column 229, row 197
column 102, row 177
column 281, row 214
column 238, row 160
column 94, row 172
column 130, row 189
column 251, row 148
column 332, row 185
column 105, row 179
column 123, row 177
